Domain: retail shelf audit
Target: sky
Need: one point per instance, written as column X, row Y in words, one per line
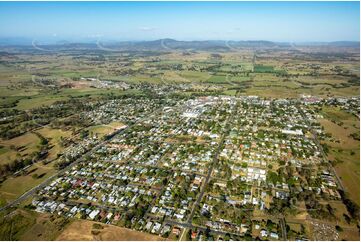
column 273, row 21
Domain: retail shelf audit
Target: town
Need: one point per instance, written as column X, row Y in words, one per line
column 180, row 121
column 226, row 167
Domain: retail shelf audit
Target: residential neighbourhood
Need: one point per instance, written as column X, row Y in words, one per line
column 209, row 167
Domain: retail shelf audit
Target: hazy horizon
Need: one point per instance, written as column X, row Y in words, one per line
column 58, row 41
column 184, row 21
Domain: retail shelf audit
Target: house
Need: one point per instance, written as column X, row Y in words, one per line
column 74, row 210
column 179, row 216
column 117, row 217
column 156, row 227
column 110, row 215
column 93, row 214
column 165, row 229
column 154, row 209
column 274, row 235
column 206, row 209
column 264, row 233
column 194, row 234
column 176, row 230
column 148, row 225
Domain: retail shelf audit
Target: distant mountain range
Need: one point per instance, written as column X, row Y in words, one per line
column 167, row 44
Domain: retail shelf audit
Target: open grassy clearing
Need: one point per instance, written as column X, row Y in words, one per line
column 328, row 80
column 350, row 235
column 342, row 135
column 102, row 130
column 38, row 101
column 195, row 76
column 54, row 135
column 344, row 151
column 18, row 92
column 271, row 81
column 74, row 73
column 26, row 144
column 65, row 94
column 274, row 92
column 45, row 227
column 11, row 75
column 217, row 79
column 6, row 154
column 174, row 77
column 339, row 210
column 335, row 113
column 239, row 79
column 286, row 92
column 144, row 78
column 23, row 224
column 83, row 230
column 349, row 172
column 344, row 92
column 13, row 187
column 230, row 92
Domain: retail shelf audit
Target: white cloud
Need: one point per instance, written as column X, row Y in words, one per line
column 144, row 28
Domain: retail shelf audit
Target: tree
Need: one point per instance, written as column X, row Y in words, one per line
column 338, row 228
column 347, row 218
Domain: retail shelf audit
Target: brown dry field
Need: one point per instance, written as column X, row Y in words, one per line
column 44, row 228
column 82, row 230
column 349, row 169
column 350, row 235
column 28, row 141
